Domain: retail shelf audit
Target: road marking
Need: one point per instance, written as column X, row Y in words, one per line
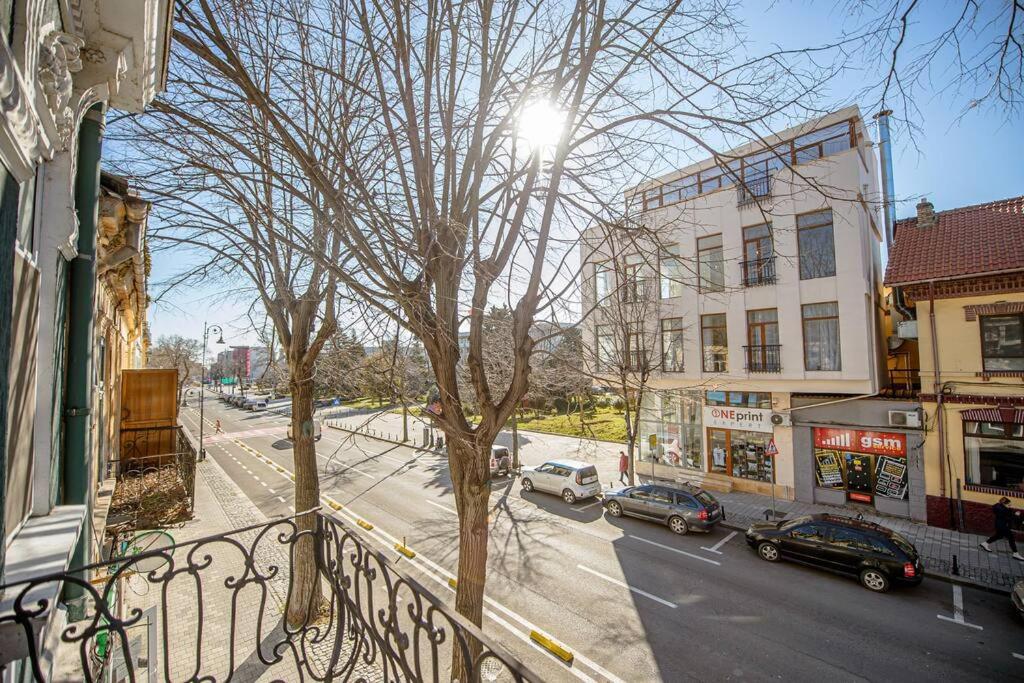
column 627, row 586
column 677, row 550
column 255, row 477
column 584, row 507
column 1018, row 656
column 715, row 547
column 264, row 484
column 438, row 505
column 282, row 499
column 958, row 610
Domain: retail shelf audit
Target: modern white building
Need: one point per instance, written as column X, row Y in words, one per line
column 768, row 285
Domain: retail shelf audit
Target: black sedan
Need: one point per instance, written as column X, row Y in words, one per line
column 877, row 556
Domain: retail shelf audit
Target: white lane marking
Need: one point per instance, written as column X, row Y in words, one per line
column 282, row 499
column 1018, row 656
column 584, row 507
column 715, row 547
column 255, row 477
column 264, row 484
column 958, row 610
column 627, row 586
column 438, row 505
column 677, row 550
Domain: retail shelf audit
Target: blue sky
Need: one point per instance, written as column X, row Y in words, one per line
column 953, row 160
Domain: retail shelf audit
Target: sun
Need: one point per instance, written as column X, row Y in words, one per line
column 540, row 125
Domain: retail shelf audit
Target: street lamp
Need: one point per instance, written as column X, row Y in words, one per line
column 202, row 381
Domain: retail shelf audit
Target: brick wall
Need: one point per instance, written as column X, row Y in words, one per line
column 978, row 518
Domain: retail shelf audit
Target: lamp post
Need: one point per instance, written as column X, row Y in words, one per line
column 202, row 382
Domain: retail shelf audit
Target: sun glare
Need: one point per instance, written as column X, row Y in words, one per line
column 540, row 125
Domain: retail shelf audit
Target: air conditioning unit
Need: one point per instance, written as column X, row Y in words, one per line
column 782, row 419
column 906, row 329
column 904, row 418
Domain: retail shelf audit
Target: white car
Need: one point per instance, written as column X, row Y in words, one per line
column 571, row 479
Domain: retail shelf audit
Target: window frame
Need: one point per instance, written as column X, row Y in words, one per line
column 704, row 345
column 679, row 329
column 800, row 230
column 1007, row 435
column 981, row 334
column 803, row 330
column 700, row 274
column 671, row 254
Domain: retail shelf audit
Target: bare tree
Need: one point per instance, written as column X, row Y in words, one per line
column 182, row 353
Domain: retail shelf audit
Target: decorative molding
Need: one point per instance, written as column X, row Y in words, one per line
column 974, row 399
column 1003, row 283
column 998, row 308
column 59, row 58
column 22, row 143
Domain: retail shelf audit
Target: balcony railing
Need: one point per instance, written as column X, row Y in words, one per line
column 753, row 190
column 758, row 272
column 763, row 358
column 215, row 608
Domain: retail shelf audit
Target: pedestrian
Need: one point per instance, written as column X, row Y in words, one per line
column 217, row 429
column 623, row 468
column 1004, row 515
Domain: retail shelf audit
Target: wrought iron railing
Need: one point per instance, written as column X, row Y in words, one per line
column 218, row 607
column 758, row 272
column 753, row 190
column 156, row 452
column 763, row 357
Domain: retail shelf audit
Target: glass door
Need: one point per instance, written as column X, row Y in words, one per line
column 859, row 485
column 718, row 446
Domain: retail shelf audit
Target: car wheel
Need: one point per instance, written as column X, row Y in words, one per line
column 527, row 485
column 874, row 580
column 767, row 551
column 678, row 525
column 568, row 496
column 614, row 509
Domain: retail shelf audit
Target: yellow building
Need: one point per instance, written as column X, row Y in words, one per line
column 961, row 273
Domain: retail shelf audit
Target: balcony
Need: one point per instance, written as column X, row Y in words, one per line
column 763, row 358
column 214, row 608
column 753, row 190
column 758, row 272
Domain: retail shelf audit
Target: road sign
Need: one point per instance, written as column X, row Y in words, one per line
column 771, row 450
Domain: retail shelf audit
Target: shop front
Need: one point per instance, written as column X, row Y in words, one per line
column 739, row 433
column 862, row 467
column 671, row 440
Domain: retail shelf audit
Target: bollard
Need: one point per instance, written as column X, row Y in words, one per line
column 956, row 567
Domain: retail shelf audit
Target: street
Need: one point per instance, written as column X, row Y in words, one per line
column 631, row 600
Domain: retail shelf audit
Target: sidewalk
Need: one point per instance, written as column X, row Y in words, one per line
column 996, row 570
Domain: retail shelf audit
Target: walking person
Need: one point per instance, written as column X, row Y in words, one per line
column 217, row 429
column 623, row 468
column 1004, row 515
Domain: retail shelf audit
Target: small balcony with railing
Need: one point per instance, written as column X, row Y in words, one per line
column 758, row 272
column 763, row 357
column 752, row 191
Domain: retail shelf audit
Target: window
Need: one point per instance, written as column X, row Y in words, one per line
column 822, row 143
column 763, row 350
column 821, row 336
column 817, row 250
column 640, row 494
column 710, row 263
column 603, row 282
column 672, row 344
column 605, row 347
column 809, row 532
column 1002, row 342
column 758, row 261
column 994, row 454
column 661, row 496
column 739, row 399
column 849, row 538
column 636, row 352
column 632, row 290
column 714, row 342
column 671, row 273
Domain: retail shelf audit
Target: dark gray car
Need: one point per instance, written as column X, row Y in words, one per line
column 682, row 509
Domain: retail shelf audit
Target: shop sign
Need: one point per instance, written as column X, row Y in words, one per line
column 828, row 469
column 855, row 441
column 891, row 477
column 742, row 419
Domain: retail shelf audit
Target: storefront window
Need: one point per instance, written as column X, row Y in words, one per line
column 866, row 465
column 742, row 399
column 740, row 454
column 670, row 429
column 994, row 453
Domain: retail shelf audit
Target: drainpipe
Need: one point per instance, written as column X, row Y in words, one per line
column 81, row 306
column 940, row 422
column 899, row 302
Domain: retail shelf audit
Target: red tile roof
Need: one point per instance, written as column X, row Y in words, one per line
column 972, row 240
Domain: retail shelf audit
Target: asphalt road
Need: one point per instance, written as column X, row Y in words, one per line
column 631, row 600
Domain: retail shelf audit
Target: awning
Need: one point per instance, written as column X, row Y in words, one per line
column 1001, row 414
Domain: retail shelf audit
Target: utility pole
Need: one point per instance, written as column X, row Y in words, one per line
column 202, row 383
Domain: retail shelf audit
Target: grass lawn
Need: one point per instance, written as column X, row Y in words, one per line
column 366, row 402
column 606, row 424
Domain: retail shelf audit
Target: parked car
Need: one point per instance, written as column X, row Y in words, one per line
column 316, row 430
column 682, row 508
column 258, row 404
column 878, row 556
column 1017, row 597
column 571, row 479
column 501, row 461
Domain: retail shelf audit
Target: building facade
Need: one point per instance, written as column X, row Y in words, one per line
column 961, row 273
column 762, row 299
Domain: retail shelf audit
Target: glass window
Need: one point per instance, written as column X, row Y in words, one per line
column 632, row 286
column 711, row 263
column 671, row 273
column 817, row 250
column 742, row 399
column 661, row 496
column 821, row 336
column 603, row 279
column 1002, row 343
column 763, row 350
column 672, row 344
column 714, row 342
column 672, row 434
column 850, row 538
column 994, row 460
column 636, row 350
column 809, row 532
column 605, row 347
column 758, row 263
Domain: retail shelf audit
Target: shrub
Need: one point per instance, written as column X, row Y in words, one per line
column 618, row 403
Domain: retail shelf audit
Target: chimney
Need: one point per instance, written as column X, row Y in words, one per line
column 925, row 213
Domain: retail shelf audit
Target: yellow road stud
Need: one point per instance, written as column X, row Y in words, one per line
column 551, row 646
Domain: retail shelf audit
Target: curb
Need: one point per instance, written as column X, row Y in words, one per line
column 408, row 444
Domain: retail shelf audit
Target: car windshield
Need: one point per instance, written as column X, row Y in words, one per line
column 588, row 472
column 705, row 497
column 903, row 544
column 796, row 522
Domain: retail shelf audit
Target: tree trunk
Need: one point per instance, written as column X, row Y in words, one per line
column 470, row 473
column 304, row 601
column 515, row 440
column 405, row 421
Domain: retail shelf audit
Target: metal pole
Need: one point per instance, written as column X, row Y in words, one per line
column 202, row 394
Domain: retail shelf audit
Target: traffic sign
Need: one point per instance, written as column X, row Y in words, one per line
column 771, row 449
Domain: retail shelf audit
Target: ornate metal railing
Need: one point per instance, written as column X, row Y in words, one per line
column 159, row 452
column 763, row 358
column 752, row 190
column 758, row 272
column 216, row 609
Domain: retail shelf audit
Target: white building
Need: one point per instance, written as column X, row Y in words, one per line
column 768, row 285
